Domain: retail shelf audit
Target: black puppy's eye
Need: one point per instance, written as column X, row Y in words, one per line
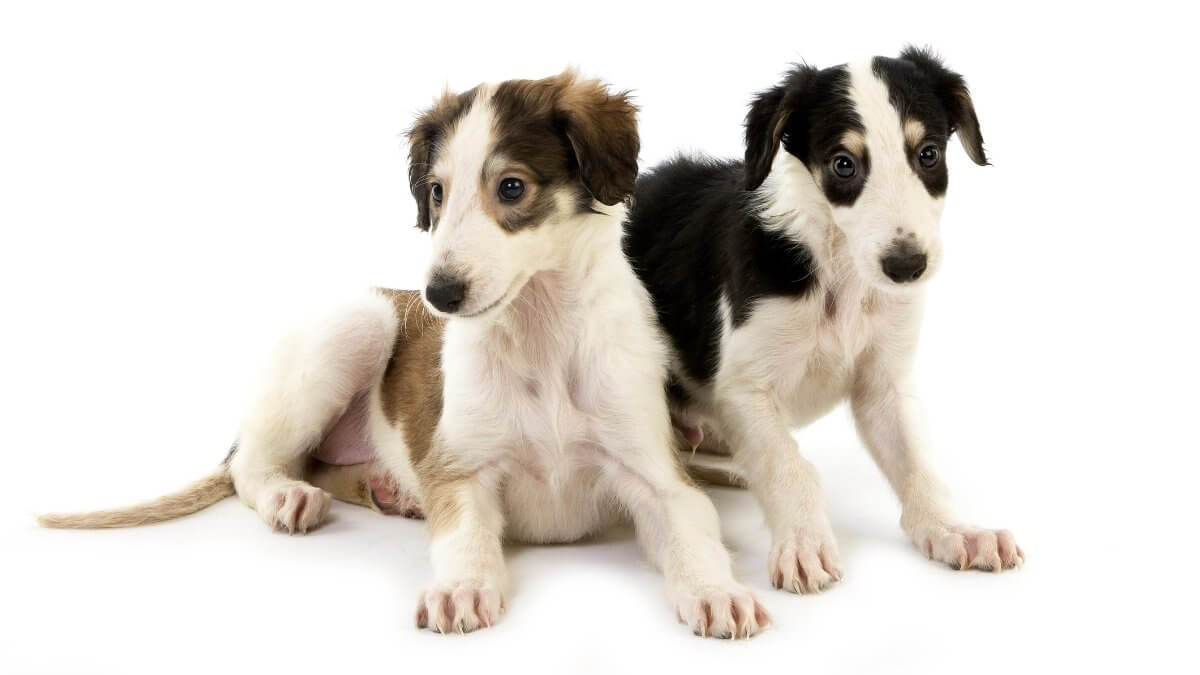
column 929, row 156
column 843, row 166
column 436, row 191
column 511, row 189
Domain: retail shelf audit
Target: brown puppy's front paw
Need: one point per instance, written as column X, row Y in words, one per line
column 964, row 547
column 459, row 607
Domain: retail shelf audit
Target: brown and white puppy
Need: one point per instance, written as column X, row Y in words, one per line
column 520, row 395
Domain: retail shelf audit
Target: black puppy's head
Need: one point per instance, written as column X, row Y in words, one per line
column 870, row 138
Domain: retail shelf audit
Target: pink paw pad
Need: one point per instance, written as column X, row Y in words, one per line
column 389, row 498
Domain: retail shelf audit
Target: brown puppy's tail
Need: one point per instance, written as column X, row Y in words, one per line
column 201, row 494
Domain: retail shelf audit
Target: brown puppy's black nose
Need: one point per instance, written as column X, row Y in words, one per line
column 904, row 267
column 446, row 293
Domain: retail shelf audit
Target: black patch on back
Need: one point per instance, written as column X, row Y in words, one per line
column 693, row 235
column 783, row 266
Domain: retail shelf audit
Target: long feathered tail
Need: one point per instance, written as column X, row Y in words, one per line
column 203, row 493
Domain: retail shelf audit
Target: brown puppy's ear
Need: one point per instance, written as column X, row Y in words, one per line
column 602, row 129
column 768, row 117
column 951, row 89
column 423, row 138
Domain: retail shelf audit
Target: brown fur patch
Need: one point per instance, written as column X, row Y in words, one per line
column 914, row 132
column 570, row 131
column 542, row 185
column 558, row 134
column 854, row 142
column 444, row 503
column 411, row 391
column 344, row 482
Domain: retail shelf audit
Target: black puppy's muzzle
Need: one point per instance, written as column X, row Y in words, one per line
column 446, row 292
column 904, row 263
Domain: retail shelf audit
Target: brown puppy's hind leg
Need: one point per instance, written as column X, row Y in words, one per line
column 312, row 379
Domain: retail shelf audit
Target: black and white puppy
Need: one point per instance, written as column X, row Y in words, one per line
column 794, row 280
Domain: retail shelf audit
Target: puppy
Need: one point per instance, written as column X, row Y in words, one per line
column 795, row 279
column 520, row 395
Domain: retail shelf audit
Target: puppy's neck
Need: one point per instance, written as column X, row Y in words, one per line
column 587, row 265
column 790, row 202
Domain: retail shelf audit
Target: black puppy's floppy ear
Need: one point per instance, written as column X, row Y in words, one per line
column 952, row 90
column 602, row 129
column 765, row 123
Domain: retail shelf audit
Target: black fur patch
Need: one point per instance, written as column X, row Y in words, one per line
column 692, row 236
column 923, row 89
column 808, row 114
column 913, row 96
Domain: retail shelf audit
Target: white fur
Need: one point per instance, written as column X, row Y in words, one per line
column 554, row 408
column 559, row 396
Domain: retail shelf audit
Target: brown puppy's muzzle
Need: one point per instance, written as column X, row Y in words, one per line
column 446, row 292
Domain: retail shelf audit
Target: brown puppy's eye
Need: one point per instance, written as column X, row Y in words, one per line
column 436, row 191
column 511, row 189
column 843, row 166
column 929, row 156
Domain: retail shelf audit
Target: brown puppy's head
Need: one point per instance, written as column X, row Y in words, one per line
column 501, row 171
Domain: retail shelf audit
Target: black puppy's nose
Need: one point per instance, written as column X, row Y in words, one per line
column 446, row 293
column 904, row 267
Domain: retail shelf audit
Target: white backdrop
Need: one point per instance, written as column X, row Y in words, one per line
column 178, row 179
